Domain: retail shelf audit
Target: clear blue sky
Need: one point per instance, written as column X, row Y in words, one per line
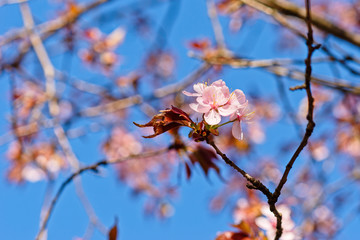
column 20, row 204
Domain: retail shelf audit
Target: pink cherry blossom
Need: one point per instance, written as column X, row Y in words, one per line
column 267, row 222
column 216, row 101
column 198, row 88
column 241, row 114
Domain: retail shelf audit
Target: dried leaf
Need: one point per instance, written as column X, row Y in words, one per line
column 113, row 232
column 233, row 236
column 166, row 120
column 188, row 171
column 204, row 156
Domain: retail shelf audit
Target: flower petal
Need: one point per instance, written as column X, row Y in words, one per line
column 240, row 96
column 199, row 107
column 227, row 110
column 237, row 131
column 189, row 94
column 219, row 83
column 212, row 117
column 199, row 88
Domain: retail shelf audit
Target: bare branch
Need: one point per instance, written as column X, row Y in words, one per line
column 52, row 26
column 309, row 117
column 290, row 9
column 94, row 167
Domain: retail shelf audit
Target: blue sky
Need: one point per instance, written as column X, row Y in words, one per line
column 20, row 204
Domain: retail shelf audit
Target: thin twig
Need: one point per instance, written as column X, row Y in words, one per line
column 311, row 124
column 254, row 183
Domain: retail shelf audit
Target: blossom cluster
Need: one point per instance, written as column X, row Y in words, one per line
column 216, row 101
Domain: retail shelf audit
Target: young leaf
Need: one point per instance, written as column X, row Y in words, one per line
column 166, row 120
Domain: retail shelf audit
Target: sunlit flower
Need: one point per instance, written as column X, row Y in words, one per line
column 215, row 101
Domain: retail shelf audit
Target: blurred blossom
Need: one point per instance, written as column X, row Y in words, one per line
column 161, row 63
column 348, row 109
column 129, row 80
column 309, row 191
column 33, row 163
column 108, row 59
column 27, row 96
column 343, row 13
column 121, row 144
column 237, row 12
column 151, row 176
column 267, row 222
column 166, row 210
column 266, row 109
column 246, row 210
column 349, row 142
column 207, row 51
column 256, row 132
column 321, row 96
column 319, row 150
column 270, row 170
column 347, row 114
column 102, row 47
column 323, row 222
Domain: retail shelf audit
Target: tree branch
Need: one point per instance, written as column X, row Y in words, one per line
column 94, row 167
column 291, row 9
column 311, row 124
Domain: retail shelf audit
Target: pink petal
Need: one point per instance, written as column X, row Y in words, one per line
column 219, row 83
column 189, row 94
column 227, row 110
column 212, row 117
column 199, row 88
column 209, row 94
column 236, row 130
column 240, row 96
column 199, row 107
column 233, row 116
column 222, row 96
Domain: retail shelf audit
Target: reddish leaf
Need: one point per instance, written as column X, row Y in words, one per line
column 113, row 232
column 188, row 171
column 233, row 236
column 166, row 120
column 204, row 156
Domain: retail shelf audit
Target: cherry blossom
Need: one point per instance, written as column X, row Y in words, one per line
column 241, row 114
column 215, row 101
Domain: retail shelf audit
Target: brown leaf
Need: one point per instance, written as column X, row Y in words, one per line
column 166, row 120
column 204, row 156
column 188, row 171
column 113, row 232
column 233, row 236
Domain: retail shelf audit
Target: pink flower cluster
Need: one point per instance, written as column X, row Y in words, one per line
column 215, row 101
